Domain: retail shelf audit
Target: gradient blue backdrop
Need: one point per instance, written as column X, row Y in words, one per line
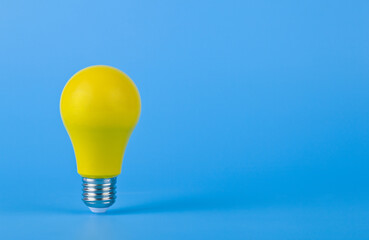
column 254, row 125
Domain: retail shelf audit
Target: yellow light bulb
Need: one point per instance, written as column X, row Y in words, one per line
column 100, row 106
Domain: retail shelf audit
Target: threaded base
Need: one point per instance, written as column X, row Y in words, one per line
column 98, row 193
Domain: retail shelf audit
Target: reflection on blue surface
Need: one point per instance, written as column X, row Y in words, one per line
column 147, row 215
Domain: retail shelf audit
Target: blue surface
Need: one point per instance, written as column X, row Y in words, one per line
column 254, row 125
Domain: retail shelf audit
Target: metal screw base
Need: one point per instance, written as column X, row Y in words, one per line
column 98, row 193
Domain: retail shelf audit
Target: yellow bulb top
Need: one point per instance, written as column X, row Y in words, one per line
column 100, row 106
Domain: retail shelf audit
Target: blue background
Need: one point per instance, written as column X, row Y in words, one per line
column 254, row 125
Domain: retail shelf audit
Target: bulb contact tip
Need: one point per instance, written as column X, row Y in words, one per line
column 98, row 210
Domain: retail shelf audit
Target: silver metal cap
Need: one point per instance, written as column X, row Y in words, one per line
column 98, row 193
